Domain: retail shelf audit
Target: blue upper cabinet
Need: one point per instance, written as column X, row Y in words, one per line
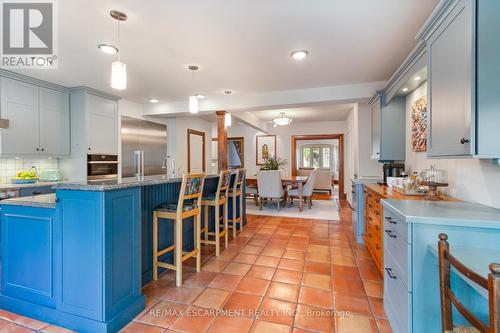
column 388, row 128
column 463, row 80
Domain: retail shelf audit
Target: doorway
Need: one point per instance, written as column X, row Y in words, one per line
column 322, row 151
column 195, row 151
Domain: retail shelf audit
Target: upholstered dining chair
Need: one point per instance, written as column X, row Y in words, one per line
column 269, row 187
column 307, row 190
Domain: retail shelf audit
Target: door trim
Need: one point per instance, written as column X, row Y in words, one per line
column 202, row 134
column 339, row 137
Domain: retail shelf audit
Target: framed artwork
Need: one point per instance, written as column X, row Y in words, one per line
column 419, row 118
column 265, row 148
column 236, row 160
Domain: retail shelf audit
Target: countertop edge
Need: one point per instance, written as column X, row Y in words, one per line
column 39, row 201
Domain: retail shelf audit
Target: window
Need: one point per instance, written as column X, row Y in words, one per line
column 316, row 156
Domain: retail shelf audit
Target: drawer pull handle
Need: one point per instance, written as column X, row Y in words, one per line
column 464, row 141
column 390, row 234
column 36, row 192
column 389, row 273
column 390, row 220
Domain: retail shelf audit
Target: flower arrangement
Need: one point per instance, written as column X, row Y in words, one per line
column 272, row 163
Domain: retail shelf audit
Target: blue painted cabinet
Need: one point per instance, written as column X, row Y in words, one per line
column 464, row 78
column 29, row 254
column 411, row 276
column 388, row 128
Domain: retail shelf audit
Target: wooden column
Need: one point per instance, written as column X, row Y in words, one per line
column 221, row 141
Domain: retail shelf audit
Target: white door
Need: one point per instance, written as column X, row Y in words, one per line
column 102, row 125
column 54, row 123
column 19, row 105
column 196, row 151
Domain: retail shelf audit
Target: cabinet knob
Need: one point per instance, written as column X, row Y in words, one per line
column 89, row 148
column 38, row 149
column 389, row 273
column 464, row 141
column 43, row 149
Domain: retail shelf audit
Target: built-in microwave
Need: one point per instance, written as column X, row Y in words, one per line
column 102, row 167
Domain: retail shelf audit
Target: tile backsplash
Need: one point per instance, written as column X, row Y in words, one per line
column 9, row 167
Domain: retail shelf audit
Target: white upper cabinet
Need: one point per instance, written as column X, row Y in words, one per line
column 451, row 75
column 38, row 120
column 54, row 123
column 19, row 105
column 102, row 125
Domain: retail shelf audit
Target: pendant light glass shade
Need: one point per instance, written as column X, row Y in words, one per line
column 193, row 104
column 118, row 75
column 228, row 120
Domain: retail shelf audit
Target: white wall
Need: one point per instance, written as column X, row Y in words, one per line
column 283, row 139
column 177, row 140
column 470, row 179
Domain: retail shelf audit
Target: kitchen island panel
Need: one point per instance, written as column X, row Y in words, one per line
column 28, row 246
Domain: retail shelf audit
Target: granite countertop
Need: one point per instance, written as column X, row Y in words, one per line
column 122, row 183
column 451, row 213
column 39, row 201
column 20, row 186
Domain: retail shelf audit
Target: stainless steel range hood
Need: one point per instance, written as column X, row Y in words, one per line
column 4, row 123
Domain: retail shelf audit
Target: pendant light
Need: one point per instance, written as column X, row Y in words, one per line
column 193, row 99
column 228, row 120
column 118, row 68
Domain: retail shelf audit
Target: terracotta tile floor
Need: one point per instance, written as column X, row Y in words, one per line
column 278, row 275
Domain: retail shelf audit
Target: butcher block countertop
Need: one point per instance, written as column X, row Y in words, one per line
column 387, row 192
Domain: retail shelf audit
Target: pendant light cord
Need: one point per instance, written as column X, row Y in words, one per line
column 119, row 44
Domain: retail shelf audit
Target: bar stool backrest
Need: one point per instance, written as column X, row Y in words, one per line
column 448, row 298
column 223, row 186
column 191, row 189
column 238, row 180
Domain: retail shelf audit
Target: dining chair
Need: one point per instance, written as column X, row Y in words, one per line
column 449, row 299
column 269, row 187
column 307, row 190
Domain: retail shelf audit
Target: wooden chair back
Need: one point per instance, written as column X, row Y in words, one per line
column 239, row 179
column 223, row 185
column 448, row 298
column 191, row 189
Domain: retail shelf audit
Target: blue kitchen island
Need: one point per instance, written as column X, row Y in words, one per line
column 79, row 258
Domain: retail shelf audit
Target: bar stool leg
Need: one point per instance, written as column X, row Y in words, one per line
column 226, row 236
column 205, row 224
column 235, row 224
column 155, row 246
column 178, row 251
column 241, row 211
column 198, row 241
column 217, row 230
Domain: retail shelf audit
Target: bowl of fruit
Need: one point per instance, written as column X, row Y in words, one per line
column 25, row 177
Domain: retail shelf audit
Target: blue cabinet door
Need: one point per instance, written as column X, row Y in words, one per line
column 28, row 254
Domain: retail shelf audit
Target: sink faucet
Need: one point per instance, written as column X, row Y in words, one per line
column 36, row 170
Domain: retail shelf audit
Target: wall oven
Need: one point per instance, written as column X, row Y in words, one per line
column 102, row 167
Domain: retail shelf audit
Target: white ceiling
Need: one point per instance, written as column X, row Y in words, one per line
column 309, row 114
column 239, row 44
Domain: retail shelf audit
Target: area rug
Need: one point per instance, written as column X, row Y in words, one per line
column 321, row 210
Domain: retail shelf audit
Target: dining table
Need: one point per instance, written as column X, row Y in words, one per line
column 294, row 181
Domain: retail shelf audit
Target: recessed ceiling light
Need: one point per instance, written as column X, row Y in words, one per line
column 417, row 78
column 200, row 96
column 300, row 54
column 153, row 100
column 404, row 89
column 108, row 48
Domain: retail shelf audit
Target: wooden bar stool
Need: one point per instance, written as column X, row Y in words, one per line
column 235, row 192
column 448, row 298
column 216, row 200
column 192, row 190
